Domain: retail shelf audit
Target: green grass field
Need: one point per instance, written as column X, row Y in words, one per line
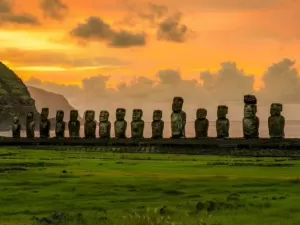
column 115, row 188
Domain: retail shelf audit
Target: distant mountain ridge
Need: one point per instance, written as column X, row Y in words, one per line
column 52, row 101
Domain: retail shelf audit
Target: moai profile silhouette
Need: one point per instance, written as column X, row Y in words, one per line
column 60, row 126
column 120, row 124
column 157, row 124
column 276, row 122
column 104, row 124
column 30, row 125
column 16, row 127
column 137, row 124
column 250, row 120
column 201, row 123
column 74, row 124
column 45, row 123
column 178, row 118
column 90, row 124
column 222, row 123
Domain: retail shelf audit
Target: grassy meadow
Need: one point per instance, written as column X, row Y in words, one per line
column 81, row 187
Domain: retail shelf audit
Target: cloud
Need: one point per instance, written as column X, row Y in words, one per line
column 168, row 24
column 54, row 9
column 170, row 29
column 7, row 16
column 48, row 58
column 225, row 86
column 281, row 82
column 95, row 29
column 229, row 83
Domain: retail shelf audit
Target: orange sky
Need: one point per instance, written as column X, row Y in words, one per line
column 252, row 33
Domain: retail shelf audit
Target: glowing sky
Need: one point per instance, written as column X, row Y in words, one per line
column 65, row 41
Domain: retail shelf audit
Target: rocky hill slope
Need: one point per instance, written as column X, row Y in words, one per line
column 17, row 99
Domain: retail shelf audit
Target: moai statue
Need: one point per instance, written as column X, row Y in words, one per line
column 30, row 125
column 104, row 124
column 16, row 128
column 178, row 118
column 90, row 124
column 120, row 123
column 137, row 124
column 250, row 120
column 157, row 124
column 74, row 124
column 222, row 123
column 276, row 122
column 60, row 124
column 201, row 123
column 45, row 123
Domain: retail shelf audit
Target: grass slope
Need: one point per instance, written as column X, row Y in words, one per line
column 110, row 188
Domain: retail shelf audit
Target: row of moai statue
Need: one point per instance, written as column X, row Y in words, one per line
column 276, row 122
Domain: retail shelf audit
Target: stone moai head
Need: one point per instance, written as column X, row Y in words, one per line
column 250, row 99
column 89, row 115
column 201, row 113
column 16, row 120
column 104, row 115
column 222, row 111
column 44, row 114
column 137, row 114
column 249, row 110
column 120, row 114
column 157, row 115
column 60, row 115
column 30, row 117
column 276, row 109
column 73, row 115
column 177, row 104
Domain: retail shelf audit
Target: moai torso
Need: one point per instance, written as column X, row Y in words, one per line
column 178, row 118
column 201, row 123
column 60, row 124
column 16, row 128
column 45, row 123
column 137, row 124
column 30, row 125
column 250, row 120
column 90, row 124
column 222, row 123
column 120, row 124
column 74, row 124
column 104, row 125
column 157, row 124
column 276, row 122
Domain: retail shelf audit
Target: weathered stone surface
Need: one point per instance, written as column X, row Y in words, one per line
column 178, row 118
column 90, row 124
column 222, row 123
column 250, row 120
column 16, row 128
column 30, row 125
column 104, row 124
column 201, row 123
column 120, row 123
column 157, row 124
column 60, row 124
column 74, row 124
column 15, row 99
column 45, row 124
column 137, row 124
column 276, row 122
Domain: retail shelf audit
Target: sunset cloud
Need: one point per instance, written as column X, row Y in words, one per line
column 95, row 29
column 8, row 16
column 54, row 9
